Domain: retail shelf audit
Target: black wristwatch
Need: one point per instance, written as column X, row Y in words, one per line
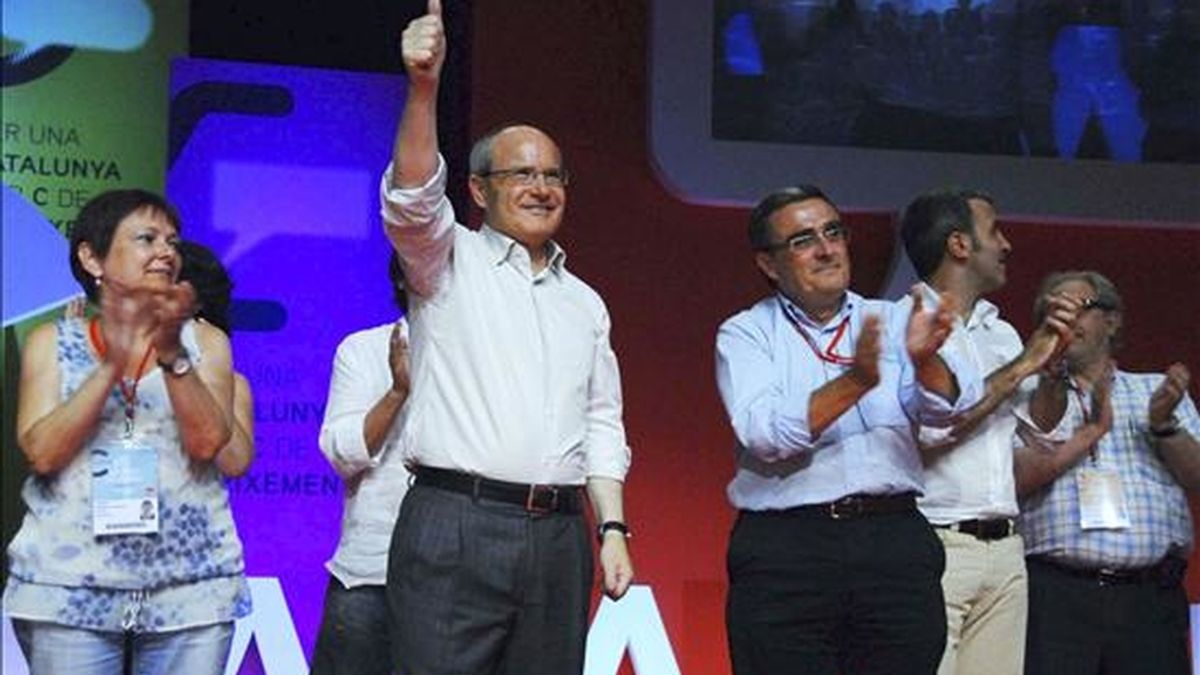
column 1168, row 431
column 612, row 526
column 179, row 366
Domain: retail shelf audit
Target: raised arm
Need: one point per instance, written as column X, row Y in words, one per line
column 1002, row 383
column 383, row 414
column 1040, row 462
column 769, row 422
column 365, row 399
column 202, row 398
column 838, row 395
column 50, row 431
column 423, row 50
column 1173, row 425
column 925, row 334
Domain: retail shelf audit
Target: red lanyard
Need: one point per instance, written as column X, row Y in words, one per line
column 128, row 387
column 828, row 355
column 1083, row 409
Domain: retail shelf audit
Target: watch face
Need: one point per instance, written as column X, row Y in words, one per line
column 181, row 365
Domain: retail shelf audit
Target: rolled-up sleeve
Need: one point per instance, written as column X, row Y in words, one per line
column 607, row 451
column 351, row 396
column 420, row 223
column 770, row 422
column 937, row 411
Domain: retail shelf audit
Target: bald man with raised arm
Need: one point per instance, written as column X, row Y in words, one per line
column 516, row 403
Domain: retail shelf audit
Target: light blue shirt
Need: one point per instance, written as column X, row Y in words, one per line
column 766, row 372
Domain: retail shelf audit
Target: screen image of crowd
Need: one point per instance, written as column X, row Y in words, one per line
column 1094, row 79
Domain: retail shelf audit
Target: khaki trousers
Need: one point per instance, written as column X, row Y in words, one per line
column 987, row 605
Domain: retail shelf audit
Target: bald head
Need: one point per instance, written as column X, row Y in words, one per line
column 484, row 150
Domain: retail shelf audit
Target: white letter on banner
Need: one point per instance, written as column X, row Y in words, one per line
column 271, row 626
column 632, row 623
column 14, row 659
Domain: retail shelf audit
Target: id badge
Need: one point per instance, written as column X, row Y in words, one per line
column 124, row 488
column 1102, row 503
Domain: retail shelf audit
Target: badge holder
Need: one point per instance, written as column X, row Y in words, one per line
column 125, row 476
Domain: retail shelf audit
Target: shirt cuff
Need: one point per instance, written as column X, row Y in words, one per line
column 937, row 411
column 343, row 445
column 415, row 205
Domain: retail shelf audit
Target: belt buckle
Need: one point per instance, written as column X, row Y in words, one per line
column 531, row 499
column 846, row 507
column 1109, row 577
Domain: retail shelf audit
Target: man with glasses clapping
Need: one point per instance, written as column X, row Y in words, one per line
column 831, row 566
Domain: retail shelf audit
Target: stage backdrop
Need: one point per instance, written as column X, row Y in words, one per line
column 671, row 270
column 277, row 170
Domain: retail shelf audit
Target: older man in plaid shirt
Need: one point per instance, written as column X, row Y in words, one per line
column 1105, row 460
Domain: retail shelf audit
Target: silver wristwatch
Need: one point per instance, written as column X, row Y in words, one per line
column 179, row 366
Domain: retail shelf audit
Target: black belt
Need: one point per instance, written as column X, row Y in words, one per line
column 855, row 506
column 1168, row 572
column 539, row 499
column 986, row 530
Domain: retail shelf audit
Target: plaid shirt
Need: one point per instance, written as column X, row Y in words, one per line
column 1160, row 522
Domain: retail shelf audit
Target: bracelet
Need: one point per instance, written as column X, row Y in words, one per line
column 613, row 526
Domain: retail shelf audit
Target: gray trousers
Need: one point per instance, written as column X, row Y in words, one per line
column 478, row 587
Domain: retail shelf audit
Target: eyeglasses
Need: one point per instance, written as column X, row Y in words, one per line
column 1096, row 303
column 833, row 233
column 527, row 175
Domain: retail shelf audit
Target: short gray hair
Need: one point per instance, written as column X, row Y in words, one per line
column 1106, row 294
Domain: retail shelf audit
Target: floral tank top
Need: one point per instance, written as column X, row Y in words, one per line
column 188, row 574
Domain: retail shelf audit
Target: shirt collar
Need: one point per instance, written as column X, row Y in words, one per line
column 849, row 301
column 983, row 314
column 504, row 248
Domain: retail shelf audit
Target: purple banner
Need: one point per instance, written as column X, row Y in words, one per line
column 277, row 170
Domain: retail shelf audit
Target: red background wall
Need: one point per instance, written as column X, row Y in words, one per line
column 671, row 272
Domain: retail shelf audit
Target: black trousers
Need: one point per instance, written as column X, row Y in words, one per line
column 479, row 587
column 812, row 595
column 355, row 632
column 1079, row 627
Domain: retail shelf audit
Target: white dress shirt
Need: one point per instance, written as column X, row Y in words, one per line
column 374, row 485
column 974, row 479
column 513, row 374
column 766, row 374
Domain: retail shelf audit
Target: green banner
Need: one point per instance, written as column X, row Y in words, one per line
column 85, row 97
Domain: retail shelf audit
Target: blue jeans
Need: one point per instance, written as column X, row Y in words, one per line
column 355, row 630
column 52, row 649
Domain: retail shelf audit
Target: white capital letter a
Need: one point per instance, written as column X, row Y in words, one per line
column 271, row 626
column 631, row 623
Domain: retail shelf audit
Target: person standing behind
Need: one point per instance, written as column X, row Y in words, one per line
column 516, row 405
column 831, row 566
column 1106, row 524
column 204, row 271
column 959, row 251
column 361, row 437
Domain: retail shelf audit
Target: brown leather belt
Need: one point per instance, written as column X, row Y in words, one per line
column 537, row 499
